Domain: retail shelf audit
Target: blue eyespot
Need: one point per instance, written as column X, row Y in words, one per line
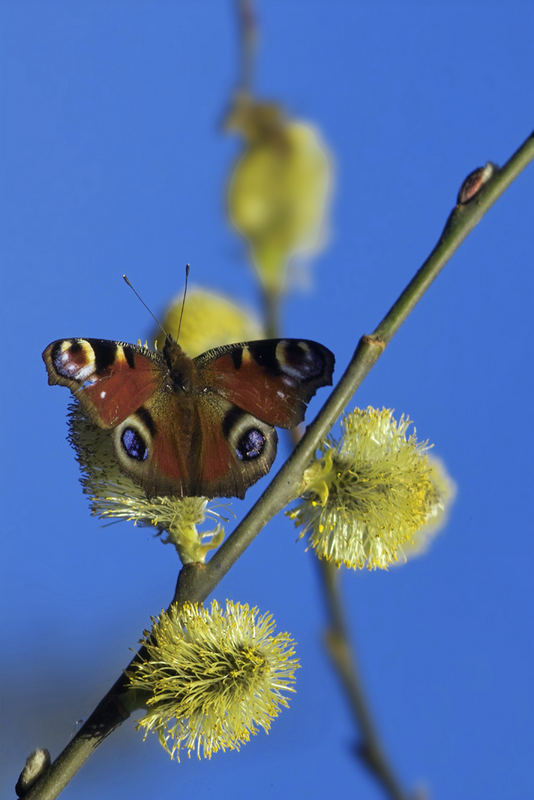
column 250, row 445
column 134, row 444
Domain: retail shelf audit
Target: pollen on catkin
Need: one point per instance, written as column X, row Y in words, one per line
column 114, row 496
column 212, row 677
column 373, row 497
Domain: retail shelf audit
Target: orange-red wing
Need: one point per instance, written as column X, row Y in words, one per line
column 272, row 379
column 110, row 379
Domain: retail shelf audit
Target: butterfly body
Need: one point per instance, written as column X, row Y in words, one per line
column 183, row 426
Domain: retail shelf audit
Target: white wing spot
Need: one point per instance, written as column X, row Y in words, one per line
column 85, row 373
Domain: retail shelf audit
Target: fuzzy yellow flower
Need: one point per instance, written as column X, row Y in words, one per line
column 209, row 320
column 373, row 497
column 279, row 189
column 114, row 495
column 212, row 677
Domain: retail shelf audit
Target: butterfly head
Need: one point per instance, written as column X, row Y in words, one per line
column 179, row 364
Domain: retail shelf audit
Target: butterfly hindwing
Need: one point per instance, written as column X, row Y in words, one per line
column 236, row 448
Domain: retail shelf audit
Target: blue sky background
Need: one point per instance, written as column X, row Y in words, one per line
column 112, row 161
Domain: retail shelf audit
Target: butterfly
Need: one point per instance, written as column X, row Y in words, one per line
column 192, row 427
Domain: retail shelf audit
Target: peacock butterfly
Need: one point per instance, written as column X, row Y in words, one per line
column 201, row 426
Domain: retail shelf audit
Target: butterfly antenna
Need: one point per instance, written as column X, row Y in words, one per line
column 187, row 268
column 136, row 293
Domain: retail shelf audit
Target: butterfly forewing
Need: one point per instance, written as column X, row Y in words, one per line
column 272, row 379
column 110, row 379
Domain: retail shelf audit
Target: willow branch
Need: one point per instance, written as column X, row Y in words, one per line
column 195, row 583
column 337, row 642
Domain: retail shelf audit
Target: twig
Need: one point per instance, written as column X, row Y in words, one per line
column 196, row 583
column 370, row 749
column 247, row 42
